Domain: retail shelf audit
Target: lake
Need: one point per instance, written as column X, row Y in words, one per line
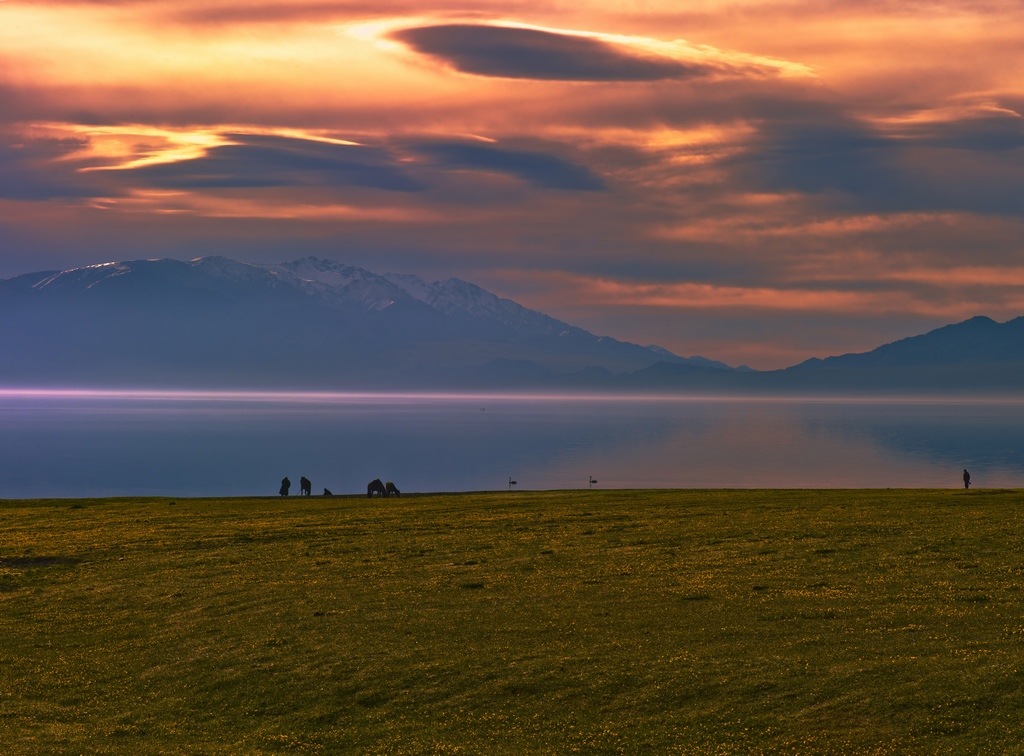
column 73, row 444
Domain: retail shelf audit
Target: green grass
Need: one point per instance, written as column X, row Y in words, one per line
column 553, row 622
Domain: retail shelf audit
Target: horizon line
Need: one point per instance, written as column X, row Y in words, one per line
column 370, row 397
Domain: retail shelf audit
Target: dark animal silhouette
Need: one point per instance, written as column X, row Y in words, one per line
column 389, row 487
column 285, row 485
column 967, row 479
column 375, row 487
column 327, row 492
column 305, row 487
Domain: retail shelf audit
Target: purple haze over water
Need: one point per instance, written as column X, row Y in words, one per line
column 90, row 443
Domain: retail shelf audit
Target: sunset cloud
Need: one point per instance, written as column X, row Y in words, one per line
column 34, row 169
column 523, row 52
column 860, row 295
column 518, row 53
column 540, row 169
column 255, row 161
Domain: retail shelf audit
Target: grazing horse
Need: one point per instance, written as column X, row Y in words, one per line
column 391, row 490
column 305, row 487
column 375, row 487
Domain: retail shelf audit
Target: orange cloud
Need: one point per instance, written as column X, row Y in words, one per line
column 604, row 292
column 223, row 206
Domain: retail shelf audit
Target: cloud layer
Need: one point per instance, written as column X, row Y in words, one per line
column 267, row 161
column 518, row 53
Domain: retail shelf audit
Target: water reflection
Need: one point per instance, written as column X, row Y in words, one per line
column 182, row 444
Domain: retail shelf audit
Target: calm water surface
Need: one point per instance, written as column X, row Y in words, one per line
column 81, row 444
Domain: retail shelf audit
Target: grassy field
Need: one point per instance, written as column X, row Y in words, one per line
column 685, row 622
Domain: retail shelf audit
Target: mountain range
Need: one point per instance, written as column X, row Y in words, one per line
column 311, row 323
column 213, row 322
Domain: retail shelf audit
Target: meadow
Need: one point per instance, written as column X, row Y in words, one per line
column 605, row 622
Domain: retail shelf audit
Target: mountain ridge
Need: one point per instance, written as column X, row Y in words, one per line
column 313, row 323
column 304, row 322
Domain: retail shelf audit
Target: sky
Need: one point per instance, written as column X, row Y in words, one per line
column 754, row 182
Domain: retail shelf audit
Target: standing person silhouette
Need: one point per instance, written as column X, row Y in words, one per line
column 285, row 485
column 967, row 479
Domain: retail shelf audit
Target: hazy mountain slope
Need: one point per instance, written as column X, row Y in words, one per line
column 978, row 356
column 315, row 323
column 978, row 340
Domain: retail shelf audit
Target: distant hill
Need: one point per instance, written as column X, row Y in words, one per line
column 978, row 340
column 309, row 323
column 976, row 356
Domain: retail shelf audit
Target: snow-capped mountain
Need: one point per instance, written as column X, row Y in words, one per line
column 450, row 297
column 339, row 283
column 305, row 323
